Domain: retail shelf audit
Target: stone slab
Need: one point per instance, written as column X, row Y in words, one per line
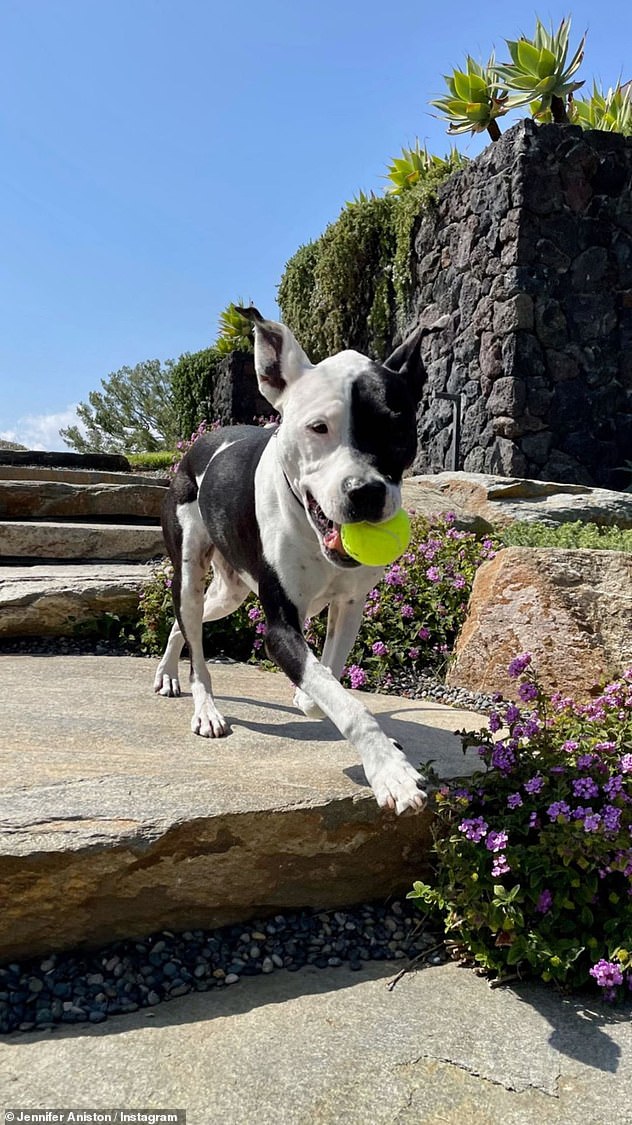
column 51, row 599
column 45, row 539
column 113, row 808
column 28, row 499
column 482, row 501
column 107, row 462
column 333, row 1047
column 78, row 476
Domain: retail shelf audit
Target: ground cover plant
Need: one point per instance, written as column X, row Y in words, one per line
column 571, row 535
column 533, row 872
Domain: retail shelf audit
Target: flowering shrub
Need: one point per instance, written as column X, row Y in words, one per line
column 534, row 856
column 185, row 444
column 412, row 618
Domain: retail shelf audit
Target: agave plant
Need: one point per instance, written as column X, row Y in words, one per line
column 235, row 331
column 611, row 112
column 540, row 73
column 475, row 100
column 415, row 164
column 359, row 199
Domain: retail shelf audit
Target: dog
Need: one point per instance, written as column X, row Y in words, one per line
column 263, row 507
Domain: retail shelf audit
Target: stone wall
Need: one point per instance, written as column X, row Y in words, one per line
column 235, row 396
column 527, row 264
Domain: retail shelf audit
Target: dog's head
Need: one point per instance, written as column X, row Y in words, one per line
column 348, row 428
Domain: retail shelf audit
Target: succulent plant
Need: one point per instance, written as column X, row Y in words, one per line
column 416, row 163
column 611, row 112
column 539, row 71
column 235, row 331
column 360, row 198
column 475, row 99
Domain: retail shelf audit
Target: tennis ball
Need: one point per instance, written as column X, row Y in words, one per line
column 377, row 544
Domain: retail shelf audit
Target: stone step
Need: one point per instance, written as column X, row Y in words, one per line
column 45, row 539
column 117, row 821
column 79, row 476
column 28, row 499
column 51, row 600
column 107, row 462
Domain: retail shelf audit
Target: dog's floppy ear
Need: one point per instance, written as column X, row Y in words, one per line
column 279, row 358
column 406, row 362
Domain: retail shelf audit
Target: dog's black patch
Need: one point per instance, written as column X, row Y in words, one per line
column 227, row 492
column 383, row 421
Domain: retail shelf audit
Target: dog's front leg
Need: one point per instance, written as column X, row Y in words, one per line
column 343, row 622
column 395, row 783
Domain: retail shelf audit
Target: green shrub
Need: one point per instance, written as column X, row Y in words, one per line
column 160, row 459
column 575, row 534
column 533, row 871
column 192, row 382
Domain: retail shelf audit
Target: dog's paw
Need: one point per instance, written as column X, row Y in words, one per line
column 307, row 706
column 397, row 785
column 208, row 722
column 166, row 684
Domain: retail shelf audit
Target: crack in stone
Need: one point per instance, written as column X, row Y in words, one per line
column 477, row 1074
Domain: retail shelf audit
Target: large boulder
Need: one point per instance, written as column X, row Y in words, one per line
column 572, row 609
column 51, row 600
column 481, row 501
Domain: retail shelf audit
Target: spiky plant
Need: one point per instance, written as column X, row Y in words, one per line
column 474, row 101
column 611, row 112
column 235, row 331
column 416, row 164
column 540, row 73
column 360, row 198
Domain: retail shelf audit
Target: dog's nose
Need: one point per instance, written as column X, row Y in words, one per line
column 365, row 498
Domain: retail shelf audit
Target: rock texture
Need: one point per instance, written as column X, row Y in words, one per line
column 117, row 821
column 528, row 256
column 572, row 609
column 482, row 501
column 46, row 540
column 52, row 600
column 20, row 500
column 106, row 462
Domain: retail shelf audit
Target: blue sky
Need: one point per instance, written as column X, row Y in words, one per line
column 163, row 157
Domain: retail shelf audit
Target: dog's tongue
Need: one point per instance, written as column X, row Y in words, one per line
column 333, row 542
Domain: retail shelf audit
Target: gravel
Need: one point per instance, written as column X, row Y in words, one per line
column 87, row 987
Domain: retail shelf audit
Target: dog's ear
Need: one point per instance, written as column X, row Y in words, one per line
column 279, row 358
column 406, row 362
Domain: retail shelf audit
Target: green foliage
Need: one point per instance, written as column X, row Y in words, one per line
column 193, row 377
column 539, row 71
column 351, row 287
column 417, row 164
column 533, row 856
column 474, row 99
column 575, row 534
column 611, row 112
column 135, row 412
column 236, row 332
column 161, row 459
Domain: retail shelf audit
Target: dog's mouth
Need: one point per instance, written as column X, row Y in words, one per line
column 329, row 534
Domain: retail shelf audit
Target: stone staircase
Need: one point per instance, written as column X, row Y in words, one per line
column 75, row 542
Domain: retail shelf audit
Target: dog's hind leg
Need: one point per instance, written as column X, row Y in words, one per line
column 224, row 595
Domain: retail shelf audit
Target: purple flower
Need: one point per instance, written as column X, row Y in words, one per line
column 518, row 665
column 585, row 787
column 558, row 809
column 496, row 841
column 570, row 745
column 407, row 611
column 534, row 784
column 357, row 677
column 379, row 648
column 500, row 865
column 528, row 692
column 531, row 728
column 592, row 822
column 534, row 820
column 423, row 633
column 503, row 757
column 613, row 786
column 474, row 828
column 255, row 613
column 495, row 722
column 626, row 763
column 545, row 902
column 459, row 582
column 514, row 801
column 585, row 761
column 261, row 628
column 512, row 714
column 413, row 653
column 611, row 819
column 607, row 974
column 395, row 576
column 605, row 746
column 433, row 574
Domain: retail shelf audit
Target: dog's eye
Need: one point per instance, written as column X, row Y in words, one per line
column 319, row 428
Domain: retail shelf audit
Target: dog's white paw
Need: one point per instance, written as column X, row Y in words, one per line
column 166, row 684
column 208, row 722
column 397, row 785
column 307, row 705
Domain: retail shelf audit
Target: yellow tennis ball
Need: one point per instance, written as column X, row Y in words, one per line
column 377, row 544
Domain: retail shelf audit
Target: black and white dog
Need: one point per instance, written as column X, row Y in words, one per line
column 263, row 507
